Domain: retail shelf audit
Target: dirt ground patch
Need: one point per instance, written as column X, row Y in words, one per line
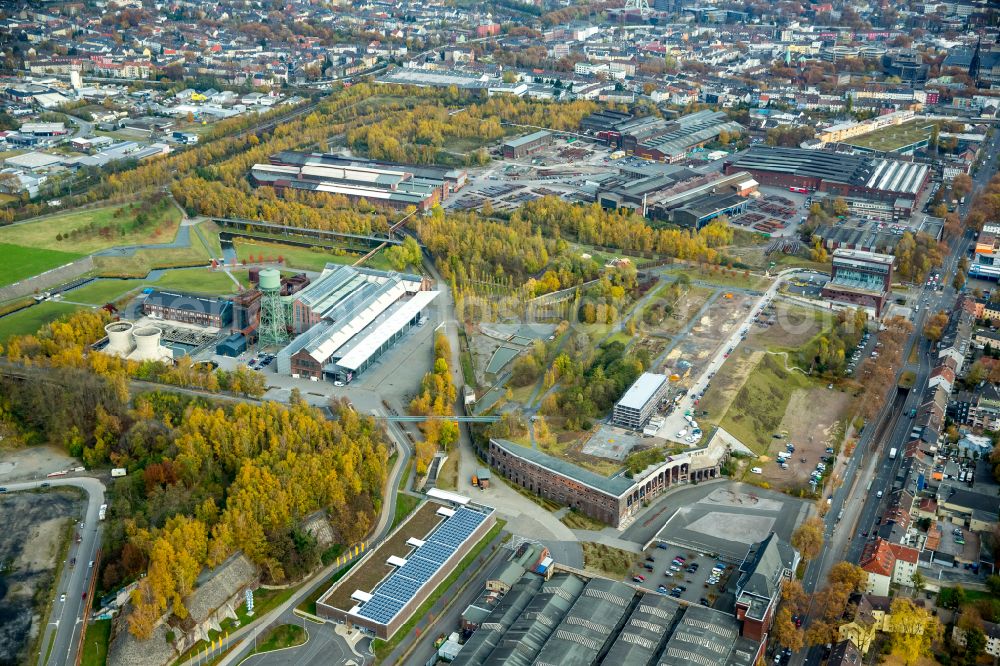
column 698, row 345
column 727, row 383
column 814, row 420
column 34, row 527
column 784, row 326
column 692, row 300
column 32, row 463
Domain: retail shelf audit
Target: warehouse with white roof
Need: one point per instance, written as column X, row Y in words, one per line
column 348, row 318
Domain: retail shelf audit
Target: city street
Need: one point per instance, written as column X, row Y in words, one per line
column 858, row 497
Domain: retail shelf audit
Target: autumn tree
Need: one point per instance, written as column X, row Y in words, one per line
column 913, row 629
column 961, row 185
column 935, row 325
column 785, row 631
column 808, row 538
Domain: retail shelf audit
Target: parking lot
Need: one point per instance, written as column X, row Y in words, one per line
column 699, row 579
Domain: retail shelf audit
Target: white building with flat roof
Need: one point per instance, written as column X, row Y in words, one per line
column 639, row 402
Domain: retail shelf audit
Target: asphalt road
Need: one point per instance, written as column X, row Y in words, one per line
column 67, row 617
column 860, row 501
column 322, row 648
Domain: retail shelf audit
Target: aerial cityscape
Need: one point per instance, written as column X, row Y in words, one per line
column 499, row 332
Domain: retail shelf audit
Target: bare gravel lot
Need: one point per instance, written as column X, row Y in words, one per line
column 34, row 528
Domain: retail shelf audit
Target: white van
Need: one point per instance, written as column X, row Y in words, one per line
column 756, row 470
column 682, row 433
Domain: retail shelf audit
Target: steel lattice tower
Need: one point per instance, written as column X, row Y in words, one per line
column 272, row 329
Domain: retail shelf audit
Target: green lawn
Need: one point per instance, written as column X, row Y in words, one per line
column 310, row 259
column 893, row 138
column 43, row 233
column 759, row 406
column 144, row 261
column 200, row 280
column 31, row 319
column 95, row 644
column 194, row 280
column 405, row 504
column 211, row 233
column 280, row 637
column 21, row 262
column 100, row 292
column 723, row 277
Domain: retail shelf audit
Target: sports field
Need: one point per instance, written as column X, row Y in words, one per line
column 21, row 262
column 97, row 229
column 893, row 138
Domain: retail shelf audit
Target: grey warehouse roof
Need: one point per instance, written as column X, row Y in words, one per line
column 522, row 140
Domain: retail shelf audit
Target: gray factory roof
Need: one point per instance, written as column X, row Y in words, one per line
column 425, row 171
column 894, row 176
column 436, row 78
column 711, row 204
column 529, row 138
column 642, row 390
column 479, row 646
column 593, row 619
column 837, row 167
column 527, row 635
column 613, row 485
column 692, row 130
column 177, row 301
column 568, row 621
column 645, row 632
column 704, row 637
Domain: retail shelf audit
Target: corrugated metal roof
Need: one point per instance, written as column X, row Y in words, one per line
column 384, row 332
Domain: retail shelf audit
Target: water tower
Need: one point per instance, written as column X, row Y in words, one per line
column 272, row 329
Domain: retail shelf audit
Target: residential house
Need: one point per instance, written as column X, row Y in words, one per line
column 871, row 613
column 974, row 446
column 942, row 376
column 844, row 653
column 984, row 410
column 885, row 562
column 975, row 510
column 992, row 632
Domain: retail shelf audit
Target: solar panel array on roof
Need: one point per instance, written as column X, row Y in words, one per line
column 403, row 584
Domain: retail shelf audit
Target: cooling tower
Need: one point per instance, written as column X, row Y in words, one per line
column 119, row 338
column 147, row 343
